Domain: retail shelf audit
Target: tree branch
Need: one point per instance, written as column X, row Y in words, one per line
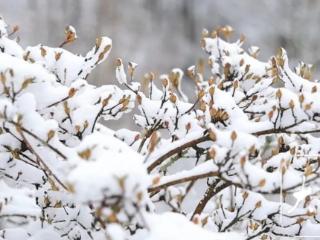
column 176, row 150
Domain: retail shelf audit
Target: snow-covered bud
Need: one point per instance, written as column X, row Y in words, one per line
column 191, row 72
column 120, row 73
column 176, row 77
column 131, row 68
column 254, row 51
column 70, row 35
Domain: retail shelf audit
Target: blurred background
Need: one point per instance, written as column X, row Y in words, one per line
column 162, row 34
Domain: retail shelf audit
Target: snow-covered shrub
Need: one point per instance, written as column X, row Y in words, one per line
column 227, row 165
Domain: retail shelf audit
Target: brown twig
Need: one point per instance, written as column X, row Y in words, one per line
column 176, row 150
column 183, row 180
column 39, row 139
column 209, row 194
column 41, row 162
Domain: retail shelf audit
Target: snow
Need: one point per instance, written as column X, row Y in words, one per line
column 175, row 226
column 100, row 176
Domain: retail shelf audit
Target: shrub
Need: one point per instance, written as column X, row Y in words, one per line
column 226, row 165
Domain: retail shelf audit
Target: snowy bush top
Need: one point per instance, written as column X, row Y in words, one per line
column 227, row 161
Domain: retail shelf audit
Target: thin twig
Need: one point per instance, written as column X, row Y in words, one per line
column 183, row 180
column 41, row 162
